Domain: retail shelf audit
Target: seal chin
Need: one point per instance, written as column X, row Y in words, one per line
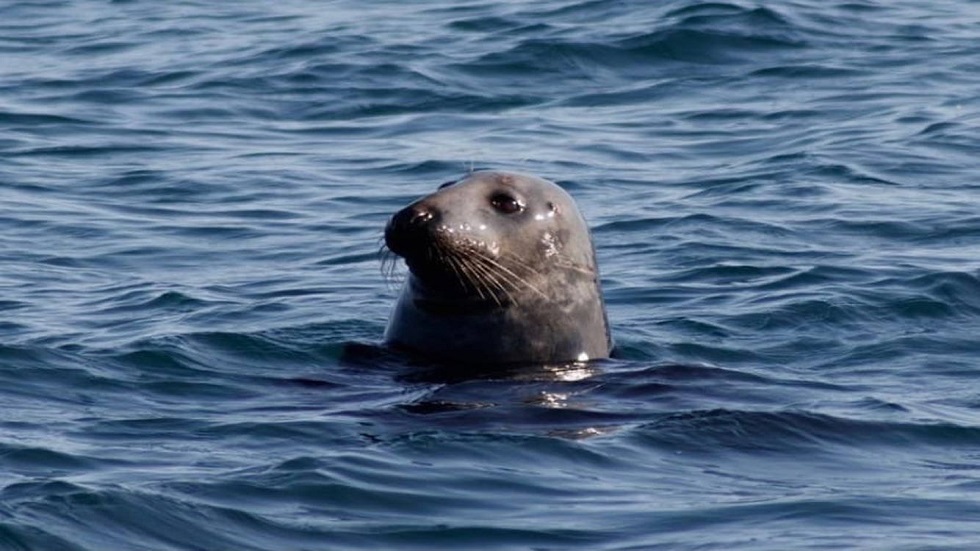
column 456, row 307
column 437, row 281
column 443, row 294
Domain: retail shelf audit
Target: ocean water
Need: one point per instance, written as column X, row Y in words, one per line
column 785, row 200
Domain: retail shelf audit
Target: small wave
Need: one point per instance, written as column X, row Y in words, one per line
column 27, row 460
column 787, row 432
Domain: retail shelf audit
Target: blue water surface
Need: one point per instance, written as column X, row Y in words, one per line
column 785, row 203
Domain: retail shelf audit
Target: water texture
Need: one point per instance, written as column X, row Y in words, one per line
column 785, row 203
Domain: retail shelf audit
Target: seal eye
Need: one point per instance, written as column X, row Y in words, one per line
column 506, row 204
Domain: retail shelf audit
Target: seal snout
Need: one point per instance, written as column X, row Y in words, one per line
column 407, row 231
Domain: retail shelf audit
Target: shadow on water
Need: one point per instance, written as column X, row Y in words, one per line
column 573, row 400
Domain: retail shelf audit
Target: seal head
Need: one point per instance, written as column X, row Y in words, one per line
column 502, row 271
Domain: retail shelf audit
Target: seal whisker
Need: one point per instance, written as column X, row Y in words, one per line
column 569, row 265
column 580, row 269
column 473, row 279
column 515, row 262
column 523, row 280
column 469, row 276
column 453, row 261
column 389, row 266
column 500, row 273
column 483, row 275
column 560, row 261
column 489, row 276
column 483, row 281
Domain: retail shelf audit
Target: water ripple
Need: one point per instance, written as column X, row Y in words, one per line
column 783, row 200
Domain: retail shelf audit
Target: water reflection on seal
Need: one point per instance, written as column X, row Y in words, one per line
column 502, row 271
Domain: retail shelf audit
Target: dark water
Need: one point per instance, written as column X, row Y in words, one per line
column 785, row 201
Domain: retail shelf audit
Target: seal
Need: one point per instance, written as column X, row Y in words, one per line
column 502, row 271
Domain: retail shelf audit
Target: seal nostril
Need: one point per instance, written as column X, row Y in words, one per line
column 406, row 232
column 412, row 217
